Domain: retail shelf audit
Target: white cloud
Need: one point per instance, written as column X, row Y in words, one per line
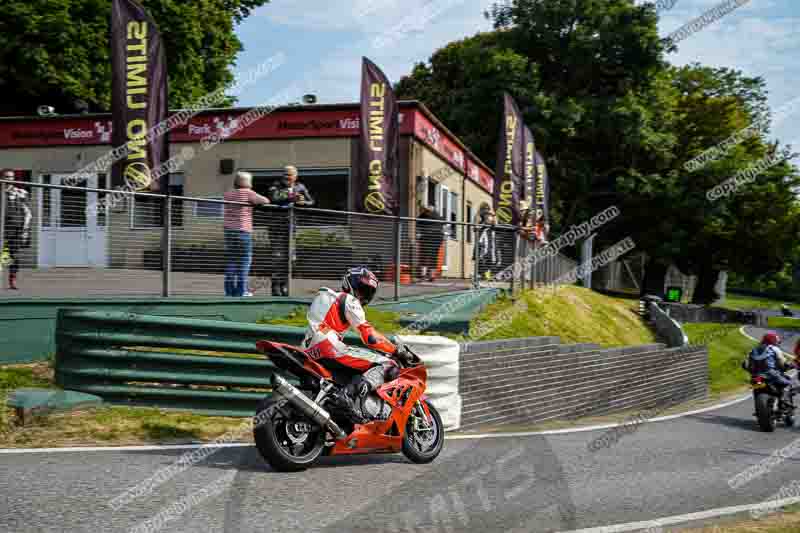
column 757, row 38
column 371, row 16
column 407, row 35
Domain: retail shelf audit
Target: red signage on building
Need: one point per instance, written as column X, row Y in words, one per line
column 230, row 125
column 55, row 132
column 441, row 143
column 479, row 175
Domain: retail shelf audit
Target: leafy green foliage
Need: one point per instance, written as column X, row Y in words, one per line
column 57, row 52
column 617, row 124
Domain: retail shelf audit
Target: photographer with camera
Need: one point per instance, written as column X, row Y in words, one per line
column 285, row 192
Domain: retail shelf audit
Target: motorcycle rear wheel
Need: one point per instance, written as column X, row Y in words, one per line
column 431, row 446
column 275, row 442
column 764, row 412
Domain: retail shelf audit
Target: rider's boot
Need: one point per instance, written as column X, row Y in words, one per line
column 345, row 401
column 787, row 400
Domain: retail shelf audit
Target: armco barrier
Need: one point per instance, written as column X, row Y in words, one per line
column 667, row 327
column 537, row 379
column 106, row 354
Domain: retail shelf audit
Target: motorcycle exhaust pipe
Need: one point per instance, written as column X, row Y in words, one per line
column 308, row 407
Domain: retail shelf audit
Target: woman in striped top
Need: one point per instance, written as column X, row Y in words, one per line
column 238, row 223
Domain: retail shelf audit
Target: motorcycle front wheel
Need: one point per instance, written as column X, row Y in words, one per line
column 286, row 439
column 765, row 404
column 423, row 441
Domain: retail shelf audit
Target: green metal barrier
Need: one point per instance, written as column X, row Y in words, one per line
column 105, row 353
column 161, row 361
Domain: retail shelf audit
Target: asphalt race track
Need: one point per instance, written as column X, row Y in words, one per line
column 535, row 483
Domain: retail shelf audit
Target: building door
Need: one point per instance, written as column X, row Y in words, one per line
column 72, row 223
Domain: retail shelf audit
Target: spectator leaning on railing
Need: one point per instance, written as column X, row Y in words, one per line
column 285, row 192
column 238, row 222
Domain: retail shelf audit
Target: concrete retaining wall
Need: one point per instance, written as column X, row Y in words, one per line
column 538, row 379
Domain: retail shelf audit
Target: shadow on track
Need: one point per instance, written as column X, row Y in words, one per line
column 729, row 421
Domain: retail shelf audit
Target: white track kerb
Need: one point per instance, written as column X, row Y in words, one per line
column 440, row 356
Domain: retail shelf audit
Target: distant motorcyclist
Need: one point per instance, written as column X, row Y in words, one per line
column 767, row 360
column 786, row 311
column 330, row 316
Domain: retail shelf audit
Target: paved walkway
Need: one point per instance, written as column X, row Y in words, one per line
column 97, row 283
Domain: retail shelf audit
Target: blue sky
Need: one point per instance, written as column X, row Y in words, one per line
column 324, row 40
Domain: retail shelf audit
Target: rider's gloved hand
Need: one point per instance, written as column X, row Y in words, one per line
column 403, row 353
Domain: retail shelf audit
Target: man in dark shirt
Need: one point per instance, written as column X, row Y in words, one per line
column 489, row 256
column 430, row 227
column 17, row 229
column 285, row 192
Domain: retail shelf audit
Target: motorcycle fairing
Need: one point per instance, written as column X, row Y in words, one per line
column 387, row 435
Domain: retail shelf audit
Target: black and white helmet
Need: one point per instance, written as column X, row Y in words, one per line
column 361, row 283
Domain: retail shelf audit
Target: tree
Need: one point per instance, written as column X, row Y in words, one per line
column 617, row 125
column 750, row 231
column 56, row 52
column 577, row 69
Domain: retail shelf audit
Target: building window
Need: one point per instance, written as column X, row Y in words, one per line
column 46, row 201
column 148, row 211
column 433, row 196
column 72, row 208
column 448, row 210
column 453, row 215
column 468, row 229
column 101, row 200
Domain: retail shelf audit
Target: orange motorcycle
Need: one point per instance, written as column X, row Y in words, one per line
column 296, row 425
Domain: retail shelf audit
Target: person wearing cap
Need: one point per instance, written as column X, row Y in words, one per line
column 286, row 192
column 17, row 229
column 238, row 224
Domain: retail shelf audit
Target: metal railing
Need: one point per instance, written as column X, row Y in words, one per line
column 145, row 244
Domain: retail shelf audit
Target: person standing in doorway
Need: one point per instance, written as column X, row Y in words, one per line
column 238, row 223
column 17, row 229
column 431, row 229
column 286, row 192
